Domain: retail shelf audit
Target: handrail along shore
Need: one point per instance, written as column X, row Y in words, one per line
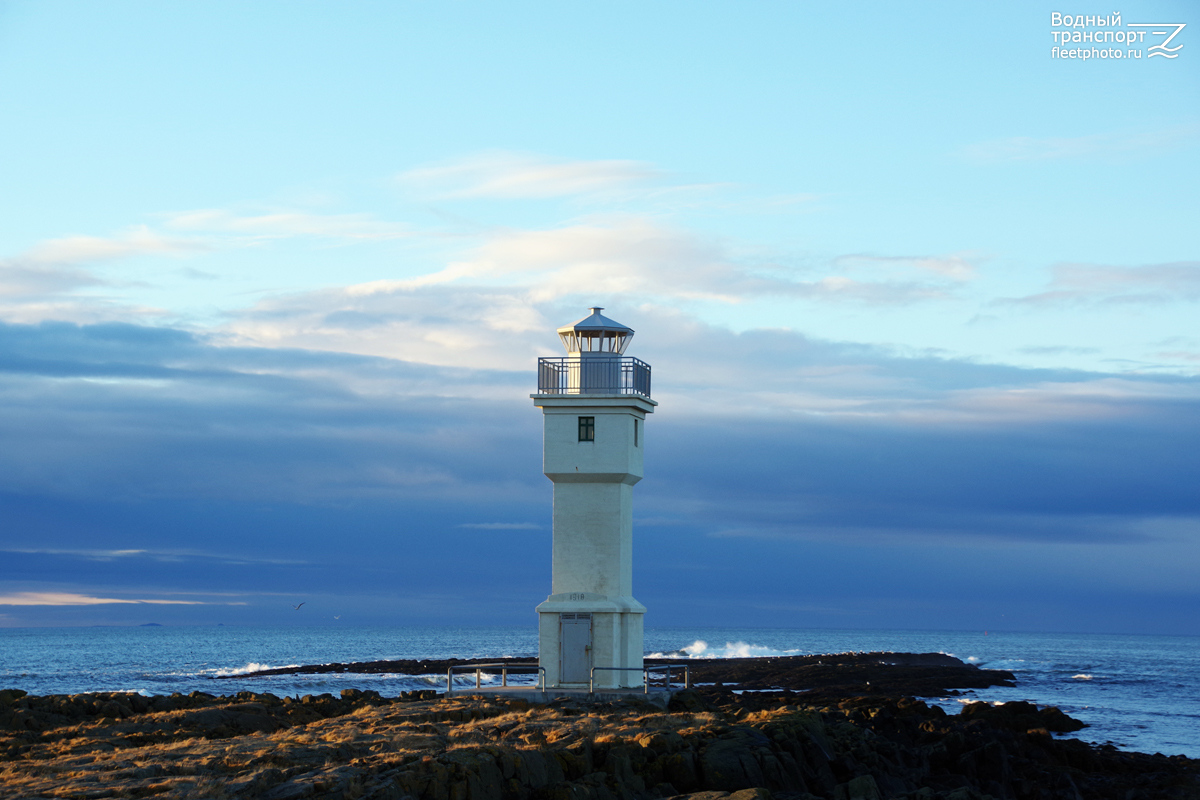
column 503, row 666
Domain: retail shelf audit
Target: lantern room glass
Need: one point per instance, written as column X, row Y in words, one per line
column 585, row 341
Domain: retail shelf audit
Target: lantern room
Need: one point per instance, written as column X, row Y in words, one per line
column 595, row 334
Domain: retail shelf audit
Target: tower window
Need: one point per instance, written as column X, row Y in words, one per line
column 635, row 431
column 587, row 429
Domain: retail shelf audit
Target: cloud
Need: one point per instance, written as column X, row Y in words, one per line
column 1089, row 284
column 137, row 240
column 55, row 278
column 132, row 391
column 1027, row 148
column 494, row 306
column 956, row 267
column 72, row 599
column 1180, row 355
column 28, row 280
column 286, row 224
column 146, row 554
column 501, row 174
column 706, row 370
column 1053, row 350
column 329, row 475
column 1105, row 478
column 98, row 555
column 647, row 259
column 54, row 267
column 58, row 279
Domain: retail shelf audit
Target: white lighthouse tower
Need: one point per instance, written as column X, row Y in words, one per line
column 594, row 403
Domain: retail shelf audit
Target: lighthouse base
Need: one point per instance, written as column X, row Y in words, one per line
column 587, row 639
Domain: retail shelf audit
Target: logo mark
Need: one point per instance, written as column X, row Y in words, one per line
column 1161, row 48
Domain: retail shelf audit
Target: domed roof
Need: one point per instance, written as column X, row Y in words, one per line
column 595, row 333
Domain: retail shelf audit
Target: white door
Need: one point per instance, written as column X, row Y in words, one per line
column 576, row 647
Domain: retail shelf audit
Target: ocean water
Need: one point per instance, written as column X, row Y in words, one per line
column 1138, row 692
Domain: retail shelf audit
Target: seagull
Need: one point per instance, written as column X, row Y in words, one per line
column 297, row 607
column 337, row 616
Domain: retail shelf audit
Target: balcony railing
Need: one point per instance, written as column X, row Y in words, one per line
column 593, row 375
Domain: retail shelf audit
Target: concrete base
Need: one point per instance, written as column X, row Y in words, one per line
column 531, row 694
column 614, row 641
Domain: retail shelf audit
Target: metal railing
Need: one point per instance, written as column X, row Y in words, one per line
column 666, row 669
column 593, row 375
column 687, row 675
column 504, row 667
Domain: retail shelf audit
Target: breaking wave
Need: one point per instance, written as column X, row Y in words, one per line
column 253, row 666
column 701, row 649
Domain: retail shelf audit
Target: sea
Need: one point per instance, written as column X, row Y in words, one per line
column 1139, row 693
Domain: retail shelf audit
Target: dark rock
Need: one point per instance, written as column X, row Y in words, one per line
column 732, row 761
column 798, row 746
column 1022, row 716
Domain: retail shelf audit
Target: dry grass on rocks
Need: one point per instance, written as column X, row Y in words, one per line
column 714, row 746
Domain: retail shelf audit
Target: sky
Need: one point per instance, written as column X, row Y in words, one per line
column 920, row 299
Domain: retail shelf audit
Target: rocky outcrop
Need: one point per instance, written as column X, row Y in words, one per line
column 846, row 674
column 830, row 675
column 706, row 745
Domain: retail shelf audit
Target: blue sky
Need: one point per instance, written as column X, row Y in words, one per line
column 920, row 299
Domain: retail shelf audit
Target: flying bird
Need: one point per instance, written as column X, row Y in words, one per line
column 297, row 607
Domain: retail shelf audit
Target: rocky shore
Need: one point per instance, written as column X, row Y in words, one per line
column 830, row 675
column 843, row 740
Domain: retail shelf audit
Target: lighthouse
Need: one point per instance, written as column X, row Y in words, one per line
column 594, row 403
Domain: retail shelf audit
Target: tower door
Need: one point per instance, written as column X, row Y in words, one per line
column 576, row 647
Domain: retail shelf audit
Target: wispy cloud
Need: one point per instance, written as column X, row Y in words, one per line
column 65, row 278
column 637, row 255
column 58, row 279
column 73, row 599
column 25, row 279
column 1028, row 148
column 492, row 307
column 511, row 175
column 1073, row 284
column 286, row 224
column 956, row 266
column 137, row 240
column 1180, row 355
column 97, row 555
column 56, row 266
column 1054, row 350
column 174, row 556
